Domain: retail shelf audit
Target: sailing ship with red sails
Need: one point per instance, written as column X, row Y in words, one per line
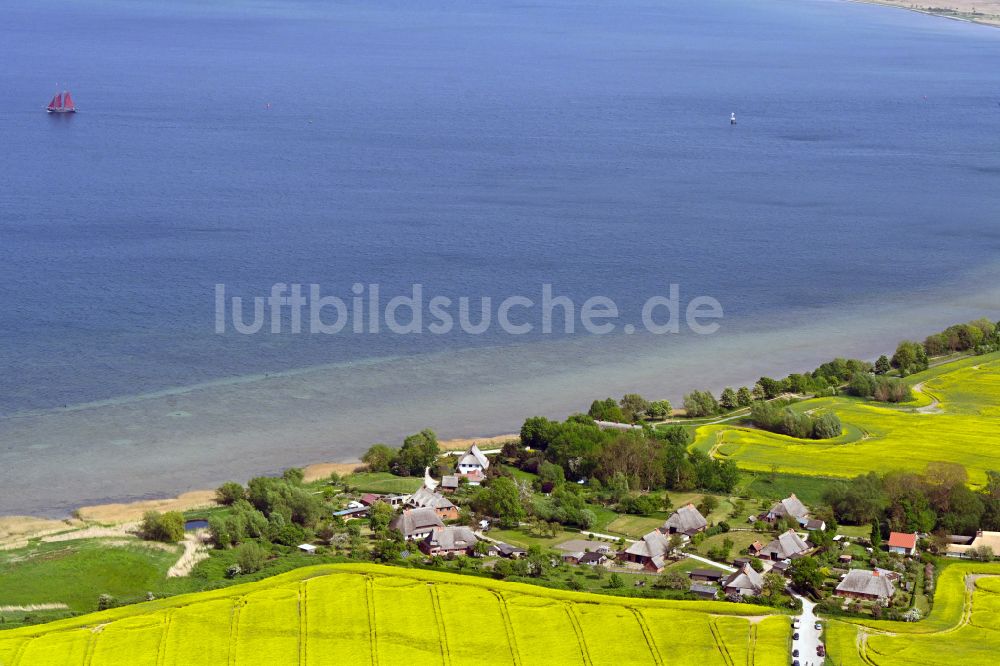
column 62, row 103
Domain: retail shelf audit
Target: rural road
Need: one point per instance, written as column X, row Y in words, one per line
column 809, row 638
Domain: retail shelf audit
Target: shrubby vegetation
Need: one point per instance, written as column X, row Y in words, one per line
column 167, row 527
column 778, row 417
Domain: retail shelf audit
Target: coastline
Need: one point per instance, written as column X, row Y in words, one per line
column 126, row 457
column 17, row 530
column 955, row 10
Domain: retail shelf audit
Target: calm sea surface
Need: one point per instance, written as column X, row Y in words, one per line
column 478, row 148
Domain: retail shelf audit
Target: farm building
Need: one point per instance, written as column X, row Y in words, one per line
column 449, row 483
column 902, row 543
column 650, row 551
column 983, row 538
column 706, row 575
column 473, row 465
column 743, row 582
column 786, row 546
column 866, row 585
column 450, row 540
column 685, row 520
column 704, row 591
column 416, row 523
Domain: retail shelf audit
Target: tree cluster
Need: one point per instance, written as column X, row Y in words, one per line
column 939, row 500
column 419, row 451
column 780, row 418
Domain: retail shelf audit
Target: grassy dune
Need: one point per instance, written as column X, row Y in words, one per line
column 962, row 428
column 963, row 628
column 369, row 614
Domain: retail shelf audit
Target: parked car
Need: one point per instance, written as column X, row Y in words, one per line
column 795, row 663
column 795, row 653
column 819, row 626
column 820, row 650
column 795, row 636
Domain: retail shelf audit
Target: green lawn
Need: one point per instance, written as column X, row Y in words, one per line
column 76, row 573
column 878, row 437
column 763, row 485
column 383, row 482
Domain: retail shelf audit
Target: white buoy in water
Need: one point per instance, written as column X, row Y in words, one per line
column 732, row 118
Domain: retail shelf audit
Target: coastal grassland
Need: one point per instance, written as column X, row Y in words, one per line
column 955, row 417
column 347, row 613
column 75, row 573
column 964, row 624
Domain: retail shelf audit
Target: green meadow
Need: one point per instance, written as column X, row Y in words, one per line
column 955, row 417
column 370, row 614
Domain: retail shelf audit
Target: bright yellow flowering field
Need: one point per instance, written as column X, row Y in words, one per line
column 374, row 615
column 963, row 426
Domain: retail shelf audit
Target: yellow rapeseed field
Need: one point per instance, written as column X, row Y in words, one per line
column 383, row 616
column 962, row 629
column 955, row 418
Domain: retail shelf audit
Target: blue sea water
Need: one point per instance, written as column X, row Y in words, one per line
column 480, row 148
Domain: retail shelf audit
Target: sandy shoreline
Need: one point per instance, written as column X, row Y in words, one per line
column 983, row 12
column 17, row 530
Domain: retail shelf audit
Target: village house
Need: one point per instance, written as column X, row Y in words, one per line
column 416, row 524
column 352, row 512
column 572, row 557
column 706, row 575
column 983, row 538
column 743, row 582
column 593, row 559
column 473, row 465
column 686, row 520
column 902, row 543
column 650, row 551
column 450, row 540
column 509, row 551
column 786, row 546
column 790, row 507
column 426, row 498
column 449, row 483
column 866, row 585
column 755, row 549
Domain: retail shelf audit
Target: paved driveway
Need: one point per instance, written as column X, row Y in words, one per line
column 809, row 638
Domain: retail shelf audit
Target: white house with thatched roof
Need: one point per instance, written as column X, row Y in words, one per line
column 473, row 465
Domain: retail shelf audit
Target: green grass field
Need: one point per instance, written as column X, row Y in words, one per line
column 383, row 482
column 963, row 628
column 77, row 572
column 963, row 429
column 369, row 614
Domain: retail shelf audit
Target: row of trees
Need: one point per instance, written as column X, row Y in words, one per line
column 632, row 408
column 939, row 500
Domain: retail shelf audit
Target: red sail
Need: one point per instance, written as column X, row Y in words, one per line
column 56, row 101
column 68, row 101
